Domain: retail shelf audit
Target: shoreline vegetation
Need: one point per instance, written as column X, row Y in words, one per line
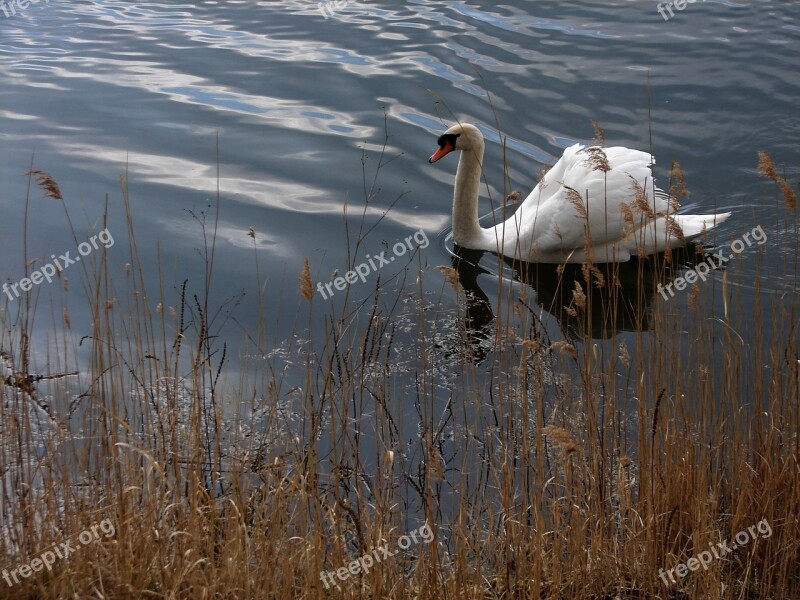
column 583, row 468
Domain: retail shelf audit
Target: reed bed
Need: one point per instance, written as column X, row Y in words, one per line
column 572, row 453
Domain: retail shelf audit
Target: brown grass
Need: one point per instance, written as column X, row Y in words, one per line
column 582, row 467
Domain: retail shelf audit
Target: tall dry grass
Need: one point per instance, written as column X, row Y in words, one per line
column 547, row 468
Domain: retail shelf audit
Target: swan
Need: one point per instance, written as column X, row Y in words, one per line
column 594, row 205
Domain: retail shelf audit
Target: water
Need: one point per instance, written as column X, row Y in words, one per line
column 279, row 104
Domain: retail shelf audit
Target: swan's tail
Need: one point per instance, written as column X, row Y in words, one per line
column 655, row 236
column 695, row 225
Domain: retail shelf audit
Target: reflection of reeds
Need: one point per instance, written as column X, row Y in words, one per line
column 567, row 468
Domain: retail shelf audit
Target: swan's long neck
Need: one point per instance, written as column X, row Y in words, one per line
column 466, row 228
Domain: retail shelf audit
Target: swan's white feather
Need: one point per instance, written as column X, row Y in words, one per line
column 549, row 227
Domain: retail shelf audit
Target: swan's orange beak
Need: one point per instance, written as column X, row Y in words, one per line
column 446, row 148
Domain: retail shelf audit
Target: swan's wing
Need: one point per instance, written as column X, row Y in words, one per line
column 610, row 190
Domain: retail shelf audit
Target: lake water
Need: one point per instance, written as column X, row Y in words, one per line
column 279, row 102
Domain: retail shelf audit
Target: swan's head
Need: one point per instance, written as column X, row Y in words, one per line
column 463, row 137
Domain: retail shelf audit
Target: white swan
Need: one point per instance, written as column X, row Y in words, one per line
column 605, row 196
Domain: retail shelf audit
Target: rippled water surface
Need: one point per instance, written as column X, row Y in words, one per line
column 285, row 107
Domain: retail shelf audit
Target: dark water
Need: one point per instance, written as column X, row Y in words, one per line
column 295, row 98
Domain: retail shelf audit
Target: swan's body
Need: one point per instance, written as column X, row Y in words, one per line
column 603, row 196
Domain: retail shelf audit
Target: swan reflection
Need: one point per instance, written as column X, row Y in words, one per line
column 620, row 297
